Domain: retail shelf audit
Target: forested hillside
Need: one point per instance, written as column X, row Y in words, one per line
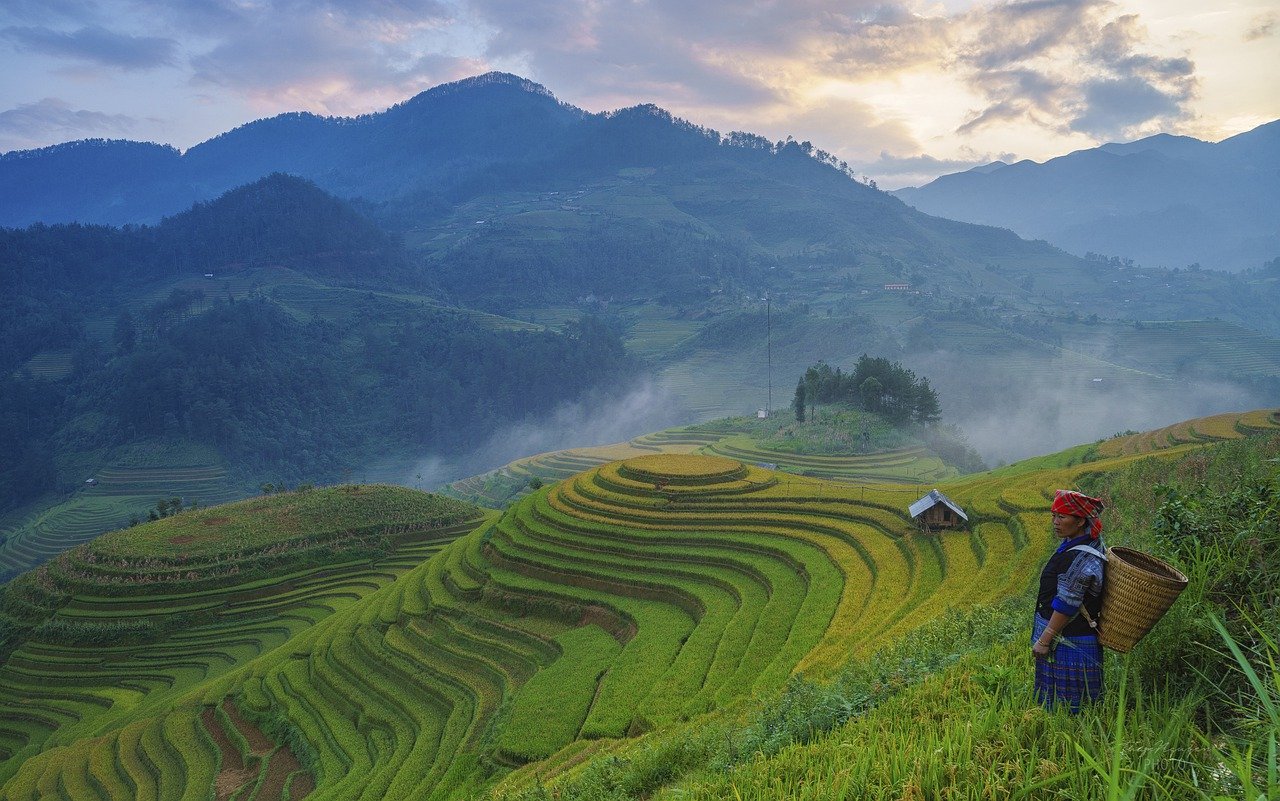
column 622, row 202
column 275, row 334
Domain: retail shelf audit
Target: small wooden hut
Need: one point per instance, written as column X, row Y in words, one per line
column 936, row 510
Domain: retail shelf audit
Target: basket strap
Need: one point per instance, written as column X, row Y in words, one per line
column 1093, row 624
column 1089, row 549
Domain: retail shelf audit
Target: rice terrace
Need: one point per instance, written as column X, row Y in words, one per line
column 644, row 621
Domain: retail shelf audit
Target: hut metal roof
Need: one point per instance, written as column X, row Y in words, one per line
column 931, row 500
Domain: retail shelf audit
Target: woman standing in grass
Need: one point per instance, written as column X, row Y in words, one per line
column 1064, row 641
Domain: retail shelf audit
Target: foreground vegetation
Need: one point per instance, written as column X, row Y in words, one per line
column 664, row 626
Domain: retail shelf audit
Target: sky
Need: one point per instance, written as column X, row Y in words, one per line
column 902, row 91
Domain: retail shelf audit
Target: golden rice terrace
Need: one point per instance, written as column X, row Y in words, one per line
column 628, row 596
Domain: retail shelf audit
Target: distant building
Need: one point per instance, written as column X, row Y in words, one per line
column 208, row 275
column 936, row 510
column 91, row 482
column 761, row 414
column 897, row 287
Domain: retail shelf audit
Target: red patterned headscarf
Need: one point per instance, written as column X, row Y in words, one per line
column 1070, row 502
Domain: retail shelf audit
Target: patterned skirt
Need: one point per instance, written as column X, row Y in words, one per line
column 1073, row 671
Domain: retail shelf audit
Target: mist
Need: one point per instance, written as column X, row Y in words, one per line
column 1007, row 418
column 1006, row 415
column 600, row 419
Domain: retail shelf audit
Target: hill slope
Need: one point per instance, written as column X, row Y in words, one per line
column 624, row 187
column 166, row 361
column 625, row 598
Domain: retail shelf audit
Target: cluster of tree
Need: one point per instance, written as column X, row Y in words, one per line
column 876, row 385
column 1123, row 262
column 277, row 397
column 281, row 398
column 165, row 507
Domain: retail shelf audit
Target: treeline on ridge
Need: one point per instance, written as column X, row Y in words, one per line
column 875, row 385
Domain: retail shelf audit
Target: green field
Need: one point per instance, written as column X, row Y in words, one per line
column 124, row 492
column 375, row 642
column 107, row 644
column 776, row 442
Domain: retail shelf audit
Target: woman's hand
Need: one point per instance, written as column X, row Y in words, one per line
column 1041, row 651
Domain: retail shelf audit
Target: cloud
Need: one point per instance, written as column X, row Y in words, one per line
column 1015, row 33
column 1262, row 26
column 97, row 45
column 894, row 172
column 330, row 58
column 885, row 41
column 833, row 118
column 51, row 119
column 1115, row 105
column 713, row 54
column 617, row 53
column 1070, row 65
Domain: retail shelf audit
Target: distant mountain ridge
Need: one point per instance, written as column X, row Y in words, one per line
column 510, row 196
column 1164, row 200
column 428, row 141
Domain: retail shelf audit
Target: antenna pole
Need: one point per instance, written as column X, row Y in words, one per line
column 768, row 338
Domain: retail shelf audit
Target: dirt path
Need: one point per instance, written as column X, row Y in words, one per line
column 280, row 762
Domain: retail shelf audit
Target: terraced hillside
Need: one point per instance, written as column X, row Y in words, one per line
column 624, row 598
column 1205, row 429
column 913, row 465
column 119, row 494
column 101, row 644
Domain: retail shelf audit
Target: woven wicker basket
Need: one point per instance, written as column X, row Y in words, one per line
column 1138, row 591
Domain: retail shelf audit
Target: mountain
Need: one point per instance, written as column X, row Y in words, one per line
column 272, row 334
column 473, row 149
column 436, row 140
column 1164, row 201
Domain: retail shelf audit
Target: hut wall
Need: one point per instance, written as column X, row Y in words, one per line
column 940, row 516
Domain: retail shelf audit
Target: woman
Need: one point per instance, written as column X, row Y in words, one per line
column 1064, row 641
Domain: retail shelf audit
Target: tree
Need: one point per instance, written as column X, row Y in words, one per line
column 798, row 402
column 872, row 392
column 927, row 408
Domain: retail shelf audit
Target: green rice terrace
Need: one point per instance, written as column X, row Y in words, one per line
column 369, row 642
column 832, row 448
column 118, row 494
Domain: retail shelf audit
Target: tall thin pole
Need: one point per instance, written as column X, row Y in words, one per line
column 768, row 338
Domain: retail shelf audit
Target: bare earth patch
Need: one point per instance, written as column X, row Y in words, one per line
column 234, row 774
column 280, row 761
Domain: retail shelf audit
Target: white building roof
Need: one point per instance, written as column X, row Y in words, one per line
column 931, row 500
